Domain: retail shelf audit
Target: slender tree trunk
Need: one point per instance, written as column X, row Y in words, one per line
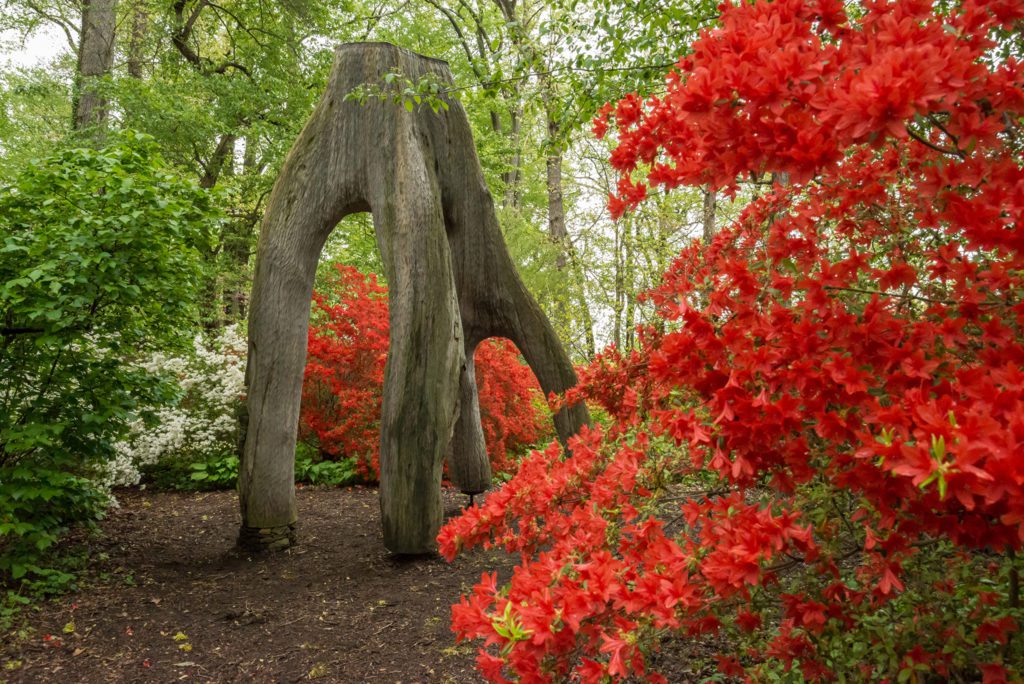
column 558, row 230
column 137, row 42
column 620, row 284
column 556, row 200
column 451, row 285
column 629, row 287
column 708, row 215
column 221, row 160
column 95, row 58
column 513, row 177
column 556, row 218
column 587, row 320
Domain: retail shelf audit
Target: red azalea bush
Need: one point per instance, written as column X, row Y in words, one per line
column 513, row 412
column 817, row 461
column 344, row 380
column 343, row 387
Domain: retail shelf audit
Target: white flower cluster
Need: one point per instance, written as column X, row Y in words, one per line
column 203, row 422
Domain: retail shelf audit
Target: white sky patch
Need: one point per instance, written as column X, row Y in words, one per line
column 40, row 48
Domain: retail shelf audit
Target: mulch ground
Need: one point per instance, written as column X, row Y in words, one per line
column 168, row 598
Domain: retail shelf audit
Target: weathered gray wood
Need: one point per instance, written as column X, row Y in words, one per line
column 451, row 285
column 469, row 469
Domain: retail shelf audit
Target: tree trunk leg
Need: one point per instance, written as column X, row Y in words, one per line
column 530, row 329
column 296, row 225
column 425, row 353
column 266, row 478
column 468, row 465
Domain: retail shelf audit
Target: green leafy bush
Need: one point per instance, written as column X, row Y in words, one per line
column 220, row 473
column 36, row 506
column 336, row 473
column 100, row 261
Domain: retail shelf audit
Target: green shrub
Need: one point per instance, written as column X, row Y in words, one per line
column 218, row 473
column 221, row 472
column 100, row 261
column 37, row 506
column 335, row 473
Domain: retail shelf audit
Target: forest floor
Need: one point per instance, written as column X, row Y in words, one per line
column 167, row 597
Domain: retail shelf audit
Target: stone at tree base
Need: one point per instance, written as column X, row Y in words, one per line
column 267, row 538
column 451, row 285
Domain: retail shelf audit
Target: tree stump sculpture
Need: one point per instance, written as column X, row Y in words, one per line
column 451, row 284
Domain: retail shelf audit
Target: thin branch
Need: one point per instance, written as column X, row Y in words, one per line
column 67, row 28
column 451, row 17
column 938, row 148
column 897, row 295
column 14, row 331
column 559, row 70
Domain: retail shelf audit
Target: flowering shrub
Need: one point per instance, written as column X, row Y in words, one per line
column 203, row 422
column 341, row 396
column 513, row 412
column 100, row 257
column 818, row 460
column 347, row 349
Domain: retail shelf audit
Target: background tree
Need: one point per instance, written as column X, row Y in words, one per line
column 95, row 57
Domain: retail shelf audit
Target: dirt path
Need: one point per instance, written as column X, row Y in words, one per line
column 171, row 600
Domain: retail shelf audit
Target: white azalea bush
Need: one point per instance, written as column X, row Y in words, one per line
column 202, row 424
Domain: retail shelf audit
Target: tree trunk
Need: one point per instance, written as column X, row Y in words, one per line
column 556, row 200
column 137, row 42
column 556, row 216
column 708, row 217
column 451, row 285
column 468, row 465
column 95, row 57
column 221, row 160
column 513, row 177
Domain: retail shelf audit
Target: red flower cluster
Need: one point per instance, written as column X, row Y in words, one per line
column 829, row 428
column 348, row 346
column 513, row 412
column 343, row 388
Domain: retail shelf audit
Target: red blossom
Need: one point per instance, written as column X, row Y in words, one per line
column 857, row 331
column 343, row 388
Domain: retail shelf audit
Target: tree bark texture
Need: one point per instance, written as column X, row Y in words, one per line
column 708, row 215
column 137, row 41
column 451, row 285
column 95, row 58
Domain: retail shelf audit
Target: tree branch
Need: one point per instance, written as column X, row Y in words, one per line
column 14, row 331
column 938, row 148
column 66, row 27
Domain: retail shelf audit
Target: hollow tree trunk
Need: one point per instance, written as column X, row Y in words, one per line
column 451, row 285
column 95, row 57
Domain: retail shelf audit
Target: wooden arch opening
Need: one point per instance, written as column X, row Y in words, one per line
column 451, row 284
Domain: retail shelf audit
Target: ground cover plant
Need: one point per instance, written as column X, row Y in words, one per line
column 807, row 464
column 816, row 455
